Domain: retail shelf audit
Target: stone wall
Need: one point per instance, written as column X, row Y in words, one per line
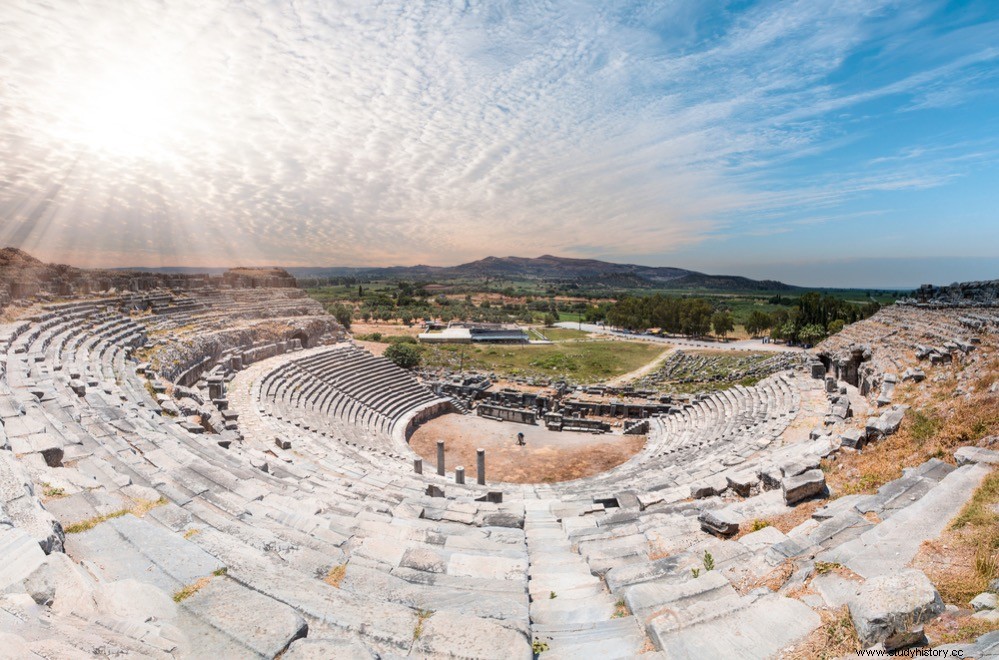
column 505, row 414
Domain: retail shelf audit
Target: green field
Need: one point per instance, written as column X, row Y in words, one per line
column 580, row 362
column 562, row 334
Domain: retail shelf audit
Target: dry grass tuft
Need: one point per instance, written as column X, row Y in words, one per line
column 142, row 507
column 955, row 630
column 50, row 492
column 335, row 575
column 139, row 509
column 191, row 589
column 784, row 522
column 933, row 430
column 648, row 647
column 966, row 558
column 90, row 523
column 835, row 638
column 421, row 617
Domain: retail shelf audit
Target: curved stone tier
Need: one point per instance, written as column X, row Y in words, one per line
column 166, row 494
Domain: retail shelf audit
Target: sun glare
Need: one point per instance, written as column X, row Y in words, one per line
column 131, row 114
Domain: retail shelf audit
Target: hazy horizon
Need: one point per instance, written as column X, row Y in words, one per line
column 852, row 144
column 881, row 274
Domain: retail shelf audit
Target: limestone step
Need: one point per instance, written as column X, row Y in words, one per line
column 892, row 544
column 132, row 548
column 19, row 556
column 251, row 624
column 615, row 638
column 746, row 628
column 646, row 598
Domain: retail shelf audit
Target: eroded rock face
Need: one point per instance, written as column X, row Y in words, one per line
column 846, row 363
column 21, row 508
column 982, row 293
column 891, row 609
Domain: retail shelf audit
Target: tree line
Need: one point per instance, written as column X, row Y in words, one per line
column 813, row 317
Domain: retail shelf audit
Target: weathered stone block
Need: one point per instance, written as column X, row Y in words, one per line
column 965, row 455
column 714, row 485
column 890, row 608
column 720, row 522
column 803, row 486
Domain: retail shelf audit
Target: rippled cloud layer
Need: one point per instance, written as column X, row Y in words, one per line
column 317, row 132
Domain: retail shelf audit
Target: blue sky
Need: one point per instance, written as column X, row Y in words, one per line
column 851, row 143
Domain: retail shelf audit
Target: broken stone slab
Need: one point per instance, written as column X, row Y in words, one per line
column 719, row 522
column 714, row 485
column 845, row 526
column 891, row 609
column 799, row 466
column 444, row 631
column 20, row 556
column 763, row 539
column 424, row 559
column 188, row 406
column 20, row 507
column 915, row 375
column 648, row 597
column 886, row 424
column 48, row 445
column 743, row 482
column 322, row 649
column 770, row 477
column 853, row 438
column 180, row 392
column 803, row 486
column 756, row 626
column 985, row 601
column 191, row 427
column 255, row 621
column 966, row 455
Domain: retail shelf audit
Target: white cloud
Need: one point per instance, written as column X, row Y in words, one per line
column 316, row 132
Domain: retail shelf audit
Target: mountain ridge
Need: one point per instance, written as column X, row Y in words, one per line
column 557, row 269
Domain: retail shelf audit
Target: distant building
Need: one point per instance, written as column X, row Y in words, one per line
column 476, row 333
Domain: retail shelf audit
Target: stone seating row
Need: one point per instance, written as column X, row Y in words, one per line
column 126, row 457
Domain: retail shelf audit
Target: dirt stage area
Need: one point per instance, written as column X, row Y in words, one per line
column 548, row 456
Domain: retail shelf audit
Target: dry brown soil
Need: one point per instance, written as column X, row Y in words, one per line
column 548, row 456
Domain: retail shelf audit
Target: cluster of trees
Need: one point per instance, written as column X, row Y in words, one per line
column 410, row 302
column 405, row 355
column 812, row 318
column 693, row 317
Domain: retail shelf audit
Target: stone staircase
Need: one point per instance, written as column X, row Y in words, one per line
column 572, row 611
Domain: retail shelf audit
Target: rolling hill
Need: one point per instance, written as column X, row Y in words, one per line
column 550, row 268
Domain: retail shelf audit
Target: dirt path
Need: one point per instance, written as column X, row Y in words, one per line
column 623, row 379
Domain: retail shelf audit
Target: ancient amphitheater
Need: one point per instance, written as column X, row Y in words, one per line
column 222, row 473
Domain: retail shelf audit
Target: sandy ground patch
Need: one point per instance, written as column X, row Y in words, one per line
column 549, row 455
column 644, row 370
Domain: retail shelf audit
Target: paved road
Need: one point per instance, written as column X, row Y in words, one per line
column 739, row 345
